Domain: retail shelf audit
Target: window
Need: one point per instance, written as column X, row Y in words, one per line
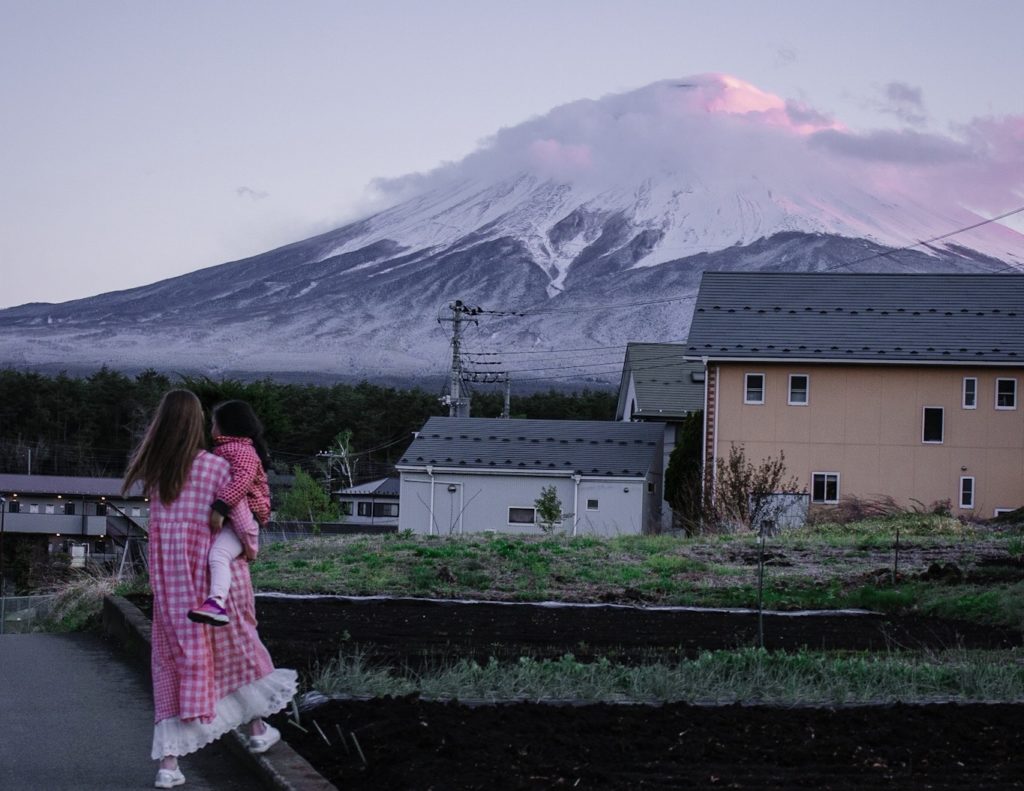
column 650, row 487
column 522, row 516
column 966, row 492
column 33, row 508
column 753, row 392
column 49, row 508
column 825, row 487
column 365, row 509
column 69, row 509
column 345, row 506
column 14, row 506
column 970, row 393
column 1006, row 393
column 592, row 505
column 385, row 509
column 799, row 389
column 136, row 511
column 1001, row 511
column 101, row 509
column 932, row 431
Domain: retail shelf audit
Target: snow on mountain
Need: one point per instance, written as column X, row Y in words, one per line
column 563, row 220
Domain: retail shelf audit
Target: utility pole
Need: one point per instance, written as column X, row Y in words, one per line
column 458, row 404
column 493, row 377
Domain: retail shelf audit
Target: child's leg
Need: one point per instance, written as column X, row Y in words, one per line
column 225, row 548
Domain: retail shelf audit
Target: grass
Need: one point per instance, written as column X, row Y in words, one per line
column 743, row 676
column 78, row 601
column 822, row 566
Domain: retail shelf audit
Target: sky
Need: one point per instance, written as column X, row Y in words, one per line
column 139, row 141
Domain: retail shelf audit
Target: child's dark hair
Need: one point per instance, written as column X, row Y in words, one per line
column 237, row 419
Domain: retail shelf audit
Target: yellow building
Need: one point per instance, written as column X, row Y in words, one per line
column 901, row 386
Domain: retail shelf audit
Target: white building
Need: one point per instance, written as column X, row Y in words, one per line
column 463, row 475
column 372, row 504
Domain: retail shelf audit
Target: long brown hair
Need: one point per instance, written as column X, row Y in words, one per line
column 163, row 459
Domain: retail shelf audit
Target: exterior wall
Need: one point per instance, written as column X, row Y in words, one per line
column 480, row 502
column 354, row 518
column 625, row 407
column 46, row 514
column 51, row 505
column 55, row 524
column 865, row 423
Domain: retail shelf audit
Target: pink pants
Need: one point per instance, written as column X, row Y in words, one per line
column 225, row 548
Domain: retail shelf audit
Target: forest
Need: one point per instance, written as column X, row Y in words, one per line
column 88, row 425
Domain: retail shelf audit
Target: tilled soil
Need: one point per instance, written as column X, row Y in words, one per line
column 411, row 744
column 301, row 631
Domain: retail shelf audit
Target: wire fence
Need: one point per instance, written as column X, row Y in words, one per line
column 24, row 614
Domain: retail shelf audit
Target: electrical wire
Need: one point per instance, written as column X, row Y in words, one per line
column 927, row 242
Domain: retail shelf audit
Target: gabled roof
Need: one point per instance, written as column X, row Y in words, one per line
column 587, row 447
column 665, row 385
column 385, row 487
column 951, row 319
column 64, row 485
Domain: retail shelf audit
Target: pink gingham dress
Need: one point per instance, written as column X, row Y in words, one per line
column 206, row 680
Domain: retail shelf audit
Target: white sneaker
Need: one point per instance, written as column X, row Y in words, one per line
column 169, row 778
column 264, row 741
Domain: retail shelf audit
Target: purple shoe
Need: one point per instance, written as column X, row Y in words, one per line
column 210, row 613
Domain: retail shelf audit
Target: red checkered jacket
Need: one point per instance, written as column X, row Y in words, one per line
column 248, row 478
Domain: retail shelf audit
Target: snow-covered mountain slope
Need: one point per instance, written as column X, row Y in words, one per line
column 588, row 227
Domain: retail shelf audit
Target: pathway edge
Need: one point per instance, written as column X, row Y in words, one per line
column 283, row 770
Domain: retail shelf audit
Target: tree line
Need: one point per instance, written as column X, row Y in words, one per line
column 88, row 425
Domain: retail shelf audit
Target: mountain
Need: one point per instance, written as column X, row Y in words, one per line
column 581, row 229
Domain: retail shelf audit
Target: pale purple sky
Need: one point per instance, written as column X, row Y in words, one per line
column 143, row 140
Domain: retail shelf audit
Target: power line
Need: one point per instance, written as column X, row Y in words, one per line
column 927, row 242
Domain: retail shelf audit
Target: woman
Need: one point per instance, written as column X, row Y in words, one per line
column 205, row 681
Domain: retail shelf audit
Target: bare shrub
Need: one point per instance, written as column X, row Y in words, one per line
column 743, row 494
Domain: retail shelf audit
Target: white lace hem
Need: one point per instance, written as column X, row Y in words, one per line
column 261, row 698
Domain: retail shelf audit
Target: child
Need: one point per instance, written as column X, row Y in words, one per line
column 238, row 438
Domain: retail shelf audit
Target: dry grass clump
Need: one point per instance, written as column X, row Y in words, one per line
column 79, row 600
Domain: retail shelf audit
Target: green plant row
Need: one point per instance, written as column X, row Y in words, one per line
column 742, row 676
column 710, row 571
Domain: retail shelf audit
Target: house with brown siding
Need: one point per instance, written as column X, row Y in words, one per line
column 872, row 385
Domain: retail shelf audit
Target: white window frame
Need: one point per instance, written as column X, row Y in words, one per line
column 746, row 387
column 1000, row 511
column 1006, row 379
column 789, row 392
column 924, row 441
column 967, row 502
column 512, row 508
column 963, row 393
column 596, row 502
column 825, row 501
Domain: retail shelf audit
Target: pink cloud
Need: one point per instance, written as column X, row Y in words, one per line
column 560, row 160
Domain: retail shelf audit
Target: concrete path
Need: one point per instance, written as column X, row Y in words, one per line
column 77, row 715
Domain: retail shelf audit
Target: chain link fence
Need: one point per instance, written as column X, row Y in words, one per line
column 23, row 614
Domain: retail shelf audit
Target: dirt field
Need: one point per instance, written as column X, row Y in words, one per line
column 411, row 744
column 298, row 631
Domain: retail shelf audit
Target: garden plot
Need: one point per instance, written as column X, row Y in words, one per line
column 414, row 744
column 302, row 630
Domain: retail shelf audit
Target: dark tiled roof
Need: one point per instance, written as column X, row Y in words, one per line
column 859, row 318
column 385, row 487
column 589, row 447
column 64, row 485
column 667, row 386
